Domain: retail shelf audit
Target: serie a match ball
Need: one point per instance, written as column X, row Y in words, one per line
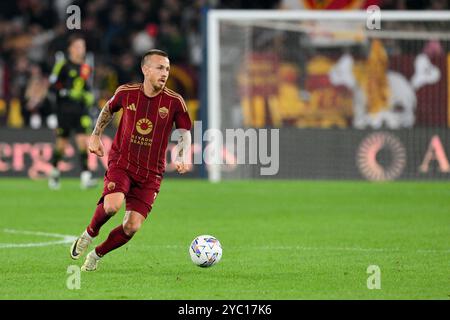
column 205, row 251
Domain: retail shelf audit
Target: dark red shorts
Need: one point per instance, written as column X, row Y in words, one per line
column 140, row 193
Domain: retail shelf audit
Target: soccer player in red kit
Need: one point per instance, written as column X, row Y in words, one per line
column 136, row 161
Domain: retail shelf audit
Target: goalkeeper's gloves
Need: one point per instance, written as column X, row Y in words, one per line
column 72, row 94
column 75, row 94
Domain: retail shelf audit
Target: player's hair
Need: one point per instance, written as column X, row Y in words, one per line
column 151, row 53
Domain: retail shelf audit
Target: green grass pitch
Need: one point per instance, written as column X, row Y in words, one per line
column 280, row 239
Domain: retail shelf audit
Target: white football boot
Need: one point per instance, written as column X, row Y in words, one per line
column 91, row 262
column 86, row 180
column 80, row 245
column 53, row 179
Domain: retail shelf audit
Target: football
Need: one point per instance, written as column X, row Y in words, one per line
column 205, row 251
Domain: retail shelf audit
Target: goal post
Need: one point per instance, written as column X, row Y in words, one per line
column 328, row 77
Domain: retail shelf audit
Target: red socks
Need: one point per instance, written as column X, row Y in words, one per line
column 100, row 218
column 116, row 239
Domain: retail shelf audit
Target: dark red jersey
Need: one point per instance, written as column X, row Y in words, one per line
column 143, row 134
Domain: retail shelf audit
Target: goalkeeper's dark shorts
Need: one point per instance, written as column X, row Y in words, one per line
column 78, row 123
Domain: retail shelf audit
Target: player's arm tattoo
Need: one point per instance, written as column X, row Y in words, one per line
column 104, row 118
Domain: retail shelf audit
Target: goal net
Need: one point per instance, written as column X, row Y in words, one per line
column 333, row 95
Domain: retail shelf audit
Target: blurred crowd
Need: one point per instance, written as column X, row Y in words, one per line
column 117, row 34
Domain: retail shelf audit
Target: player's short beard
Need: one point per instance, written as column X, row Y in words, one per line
column 157, row 86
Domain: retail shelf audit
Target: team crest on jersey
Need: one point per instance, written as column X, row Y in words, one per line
column 144, row 126
column 85, row 71
column 163, row 112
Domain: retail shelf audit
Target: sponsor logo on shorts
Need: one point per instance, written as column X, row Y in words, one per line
column 111, row 186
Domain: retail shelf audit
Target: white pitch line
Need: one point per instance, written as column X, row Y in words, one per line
column 64, row 239
column 36, row 233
